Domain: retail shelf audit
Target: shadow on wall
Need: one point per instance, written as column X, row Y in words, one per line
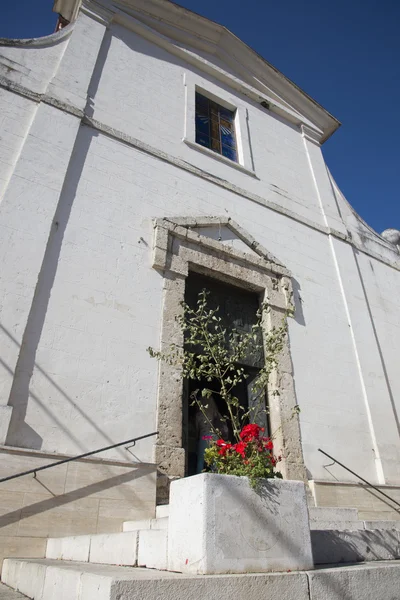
column 298, row 303
column 26, row 437
column 378, row 344
column 19, row 432
column 56, row 501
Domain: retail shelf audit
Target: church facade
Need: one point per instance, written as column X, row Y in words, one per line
column 142, row 147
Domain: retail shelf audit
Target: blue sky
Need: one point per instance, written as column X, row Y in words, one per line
column 343, row 53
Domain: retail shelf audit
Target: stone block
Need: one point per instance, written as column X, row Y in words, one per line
column 363, row 582
column 334, row 547
column 159, row 523
column 14, row 546
column 170, row 460
column 152, row 551
column 162, row 511
column 324, row 513
column 106, row 480
column 94, row 585
column 108, row 583
column 379, row 515
column 356, row 582
column 370, row 504
column 24, row 576
column 45, row 515
column 69, row 548
column 54, row 548
column 381, row 524
column 17, row 461
column 145, row 524
column 136, row 525
column 339, row 519
column 336, row 525
column 114, row 548
column 10, row 512
column 113, row 513
column 61, row 583
column 92, row 496
column 219, row 524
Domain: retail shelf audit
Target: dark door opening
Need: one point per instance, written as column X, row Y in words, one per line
column 238, row 309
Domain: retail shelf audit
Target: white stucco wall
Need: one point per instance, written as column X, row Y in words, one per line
column 16, row 114
column 32, row 63
column 141, row 91
column 84, row 302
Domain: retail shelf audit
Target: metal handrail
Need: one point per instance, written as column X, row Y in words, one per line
column 359, row 477
column 65, row 460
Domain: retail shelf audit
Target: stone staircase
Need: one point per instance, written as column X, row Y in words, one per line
column 133, row 564
column 141, row 543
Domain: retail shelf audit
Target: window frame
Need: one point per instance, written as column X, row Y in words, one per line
column 214, row 124
column 223, row 98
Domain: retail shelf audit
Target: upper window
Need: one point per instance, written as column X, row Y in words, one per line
column 215, row 127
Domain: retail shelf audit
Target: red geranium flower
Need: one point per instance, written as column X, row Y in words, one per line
column 268, row 443
column 250, row 432
column 223, row 447
column 240, row 448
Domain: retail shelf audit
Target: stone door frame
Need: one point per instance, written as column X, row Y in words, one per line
column 177, row 250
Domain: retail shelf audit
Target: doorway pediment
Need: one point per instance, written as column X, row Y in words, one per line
column 221, row 235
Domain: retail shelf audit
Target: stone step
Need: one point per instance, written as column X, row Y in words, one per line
column 147, row 547
column 152, row 549
column 104, row 548
column 159, row 523
column 42, row 579
column 336, row 525
column 335, row 547
column 332, row 514
column 162, row 511
column 381, row 524
column 343, row 519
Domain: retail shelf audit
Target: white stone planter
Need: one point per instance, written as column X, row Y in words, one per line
column 219, row 524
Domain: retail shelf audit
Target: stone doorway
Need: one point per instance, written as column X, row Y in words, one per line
column 218, row 248
column 238, row 309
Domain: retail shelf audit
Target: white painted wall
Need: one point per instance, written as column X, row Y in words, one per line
column 84, row 302
column 16, row 114
column 32, row 63
column 141, row 92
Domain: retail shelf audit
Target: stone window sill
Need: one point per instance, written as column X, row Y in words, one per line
column 219, row 157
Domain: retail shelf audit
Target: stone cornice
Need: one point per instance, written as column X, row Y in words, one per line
column 21, row 90
column 276, row 105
